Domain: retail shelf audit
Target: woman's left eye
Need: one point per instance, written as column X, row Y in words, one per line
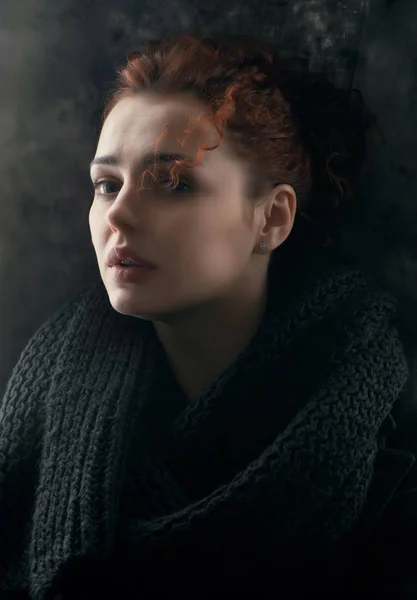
column 168, row 184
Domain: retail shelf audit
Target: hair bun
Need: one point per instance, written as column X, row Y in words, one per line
column 332, row 123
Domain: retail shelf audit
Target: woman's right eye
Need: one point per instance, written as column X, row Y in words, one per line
column 100, row 187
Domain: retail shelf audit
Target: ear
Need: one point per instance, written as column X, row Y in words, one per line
column 279, row 214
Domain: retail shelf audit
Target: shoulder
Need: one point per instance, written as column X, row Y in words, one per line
column 387, row 531
column 328, row 284
column 23, row 406
column 23, row 400
column 36, row 356
column 395, row 469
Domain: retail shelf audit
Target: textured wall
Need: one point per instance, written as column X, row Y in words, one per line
column 385, row 226
column 56, row 60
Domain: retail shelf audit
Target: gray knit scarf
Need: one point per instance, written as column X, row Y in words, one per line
column 326, row 350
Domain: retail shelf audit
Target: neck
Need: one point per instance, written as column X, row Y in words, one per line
column 203, row 343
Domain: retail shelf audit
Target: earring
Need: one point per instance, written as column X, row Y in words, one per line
column 263, row 247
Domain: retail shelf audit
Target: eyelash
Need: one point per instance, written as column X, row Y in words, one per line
column 98, row 182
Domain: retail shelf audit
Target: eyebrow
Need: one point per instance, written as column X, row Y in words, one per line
column 148, row 159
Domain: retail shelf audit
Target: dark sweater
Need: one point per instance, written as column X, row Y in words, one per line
column 110, row 482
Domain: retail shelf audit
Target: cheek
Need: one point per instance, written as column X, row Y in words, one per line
column 96, row 219
column 218, row 245
column 92, row 218
column 97, row 230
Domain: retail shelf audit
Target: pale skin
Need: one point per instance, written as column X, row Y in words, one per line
column 207, row 296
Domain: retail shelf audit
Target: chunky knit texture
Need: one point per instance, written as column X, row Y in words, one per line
column 273, row 460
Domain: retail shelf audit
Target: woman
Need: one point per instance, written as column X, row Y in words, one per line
column 219, row 415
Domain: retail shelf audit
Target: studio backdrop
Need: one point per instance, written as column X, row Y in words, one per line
column 57, row 59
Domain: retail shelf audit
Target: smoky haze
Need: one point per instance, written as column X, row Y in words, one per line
column 58, row 58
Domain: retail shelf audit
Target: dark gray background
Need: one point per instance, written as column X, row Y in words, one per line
column 57, row 59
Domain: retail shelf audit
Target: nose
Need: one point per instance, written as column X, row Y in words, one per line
column 125, row 210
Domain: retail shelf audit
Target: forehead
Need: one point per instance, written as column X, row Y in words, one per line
column 136, row 123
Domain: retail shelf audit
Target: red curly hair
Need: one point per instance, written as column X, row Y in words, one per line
column 293, row 126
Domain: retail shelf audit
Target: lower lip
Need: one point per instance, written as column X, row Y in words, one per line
column 130, row 274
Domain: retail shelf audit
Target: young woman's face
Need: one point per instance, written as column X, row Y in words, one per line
column 200, row 236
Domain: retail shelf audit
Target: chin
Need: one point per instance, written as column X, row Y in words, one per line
column 130, row 302
column 126, row 302
column 149, row 303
